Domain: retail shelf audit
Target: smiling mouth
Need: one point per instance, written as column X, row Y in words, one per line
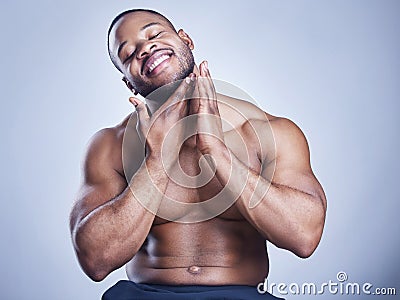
column 157, row 62
column 157, row 58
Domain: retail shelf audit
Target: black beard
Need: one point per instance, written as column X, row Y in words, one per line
column 186, row 66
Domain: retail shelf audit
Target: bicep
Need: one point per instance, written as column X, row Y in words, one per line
column 100, row 181
column 291, row 164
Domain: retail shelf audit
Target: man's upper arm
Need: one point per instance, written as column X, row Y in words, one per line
column 292, row 159
column 101, row 181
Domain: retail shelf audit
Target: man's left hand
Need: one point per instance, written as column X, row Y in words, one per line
column 210, row 137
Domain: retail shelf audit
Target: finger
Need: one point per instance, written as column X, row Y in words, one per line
column 141, row 109
column 194, row 103
column 133, row 101
column 206, row 87
column 203, row 96
column 192, row 85
column 202, row 68
column 185, row 106
column 211, row 88
column 196, row 70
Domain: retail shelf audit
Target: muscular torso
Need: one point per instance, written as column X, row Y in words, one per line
column 224, row 249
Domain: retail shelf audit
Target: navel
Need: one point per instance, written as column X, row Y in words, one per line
column 194, row 270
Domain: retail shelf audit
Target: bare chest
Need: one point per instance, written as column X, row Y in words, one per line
column 194, row 192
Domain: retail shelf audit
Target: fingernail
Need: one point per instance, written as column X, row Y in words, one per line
column 192, row 76
column 206, row 64
column 187, row 79
column 133, row 101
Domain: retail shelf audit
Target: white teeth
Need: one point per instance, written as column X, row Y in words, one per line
column 157, row 62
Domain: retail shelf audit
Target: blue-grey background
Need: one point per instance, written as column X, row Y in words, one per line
column 331, row 66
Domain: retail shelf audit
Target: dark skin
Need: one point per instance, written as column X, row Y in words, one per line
column 111, row 228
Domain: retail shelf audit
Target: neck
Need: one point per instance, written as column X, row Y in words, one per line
column 152, row 106
column 157, row 98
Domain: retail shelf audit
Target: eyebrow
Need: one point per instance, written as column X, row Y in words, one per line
column 141, row 29
column 150, row 24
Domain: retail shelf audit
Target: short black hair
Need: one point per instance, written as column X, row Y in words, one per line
column 118, row 17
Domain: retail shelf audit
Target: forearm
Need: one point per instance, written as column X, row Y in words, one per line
column 287, row 217
column 110, row 235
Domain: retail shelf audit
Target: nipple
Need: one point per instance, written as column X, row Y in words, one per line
column 194, row 269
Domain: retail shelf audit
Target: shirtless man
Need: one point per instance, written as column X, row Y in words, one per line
column 184, row 252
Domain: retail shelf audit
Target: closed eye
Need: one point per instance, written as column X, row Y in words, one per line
column 156, row 35
column 134, row 52
column 129, row 57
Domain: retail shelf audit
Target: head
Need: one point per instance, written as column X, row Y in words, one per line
column 145, row 47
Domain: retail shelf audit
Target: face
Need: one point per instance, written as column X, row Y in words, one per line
column 149, row 52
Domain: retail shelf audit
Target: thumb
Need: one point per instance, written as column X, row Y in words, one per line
column 141, row 109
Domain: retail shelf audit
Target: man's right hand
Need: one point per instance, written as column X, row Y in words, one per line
column 154, row 131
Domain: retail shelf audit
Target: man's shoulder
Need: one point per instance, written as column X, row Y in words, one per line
column 240, row 113
column 277, row 129
column 256, row 116
column 111, row 137
column 285, row 129
column 282, row 130
column 248, row 114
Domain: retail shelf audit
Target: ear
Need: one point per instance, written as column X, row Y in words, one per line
column 186, row 39
column 129, row 85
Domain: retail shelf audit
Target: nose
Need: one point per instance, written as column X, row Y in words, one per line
column 145, row 48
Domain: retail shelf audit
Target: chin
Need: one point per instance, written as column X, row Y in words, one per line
column 162, row 92
column 166, row 82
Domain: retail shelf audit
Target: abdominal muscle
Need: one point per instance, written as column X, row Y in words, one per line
column 213, row 252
